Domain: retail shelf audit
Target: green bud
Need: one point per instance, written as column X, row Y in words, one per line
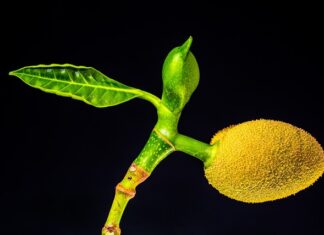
column 180, row 75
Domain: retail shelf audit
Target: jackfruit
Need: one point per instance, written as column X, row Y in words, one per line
column 264, row 160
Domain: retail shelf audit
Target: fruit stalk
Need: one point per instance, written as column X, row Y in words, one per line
column 203, row 151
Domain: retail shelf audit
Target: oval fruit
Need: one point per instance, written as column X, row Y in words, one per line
column 264, row 160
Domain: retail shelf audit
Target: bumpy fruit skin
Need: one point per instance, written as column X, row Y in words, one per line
column 264, row 160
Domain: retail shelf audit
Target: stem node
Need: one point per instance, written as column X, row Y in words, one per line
column 111, row 230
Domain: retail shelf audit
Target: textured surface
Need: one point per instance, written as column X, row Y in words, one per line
column 264, row 160
column 79, row 82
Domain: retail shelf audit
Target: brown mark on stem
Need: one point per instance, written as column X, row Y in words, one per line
column 134, row 176
column 111, row 230
column 125, row 191
column 130, row 193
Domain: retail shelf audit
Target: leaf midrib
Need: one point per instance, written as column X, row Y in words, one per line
column 130, row 90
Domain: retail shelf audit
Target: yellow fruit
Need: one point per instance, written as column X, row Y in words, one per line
column 264, row 160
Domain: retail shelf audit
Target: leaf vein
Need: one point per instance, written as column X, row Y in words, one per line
column 130, row 90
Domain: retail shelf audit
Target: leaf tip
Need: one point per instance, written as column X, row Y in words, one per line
column 12, row 73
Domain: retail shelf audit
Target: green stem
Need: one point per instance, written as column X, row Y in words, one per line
column 156, row 101
column 194, row 148
column 163, row 140
column 156, row 149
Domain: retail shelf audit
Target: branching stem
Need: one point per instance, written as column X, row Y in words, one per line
column 157, row 148
column 163, row 140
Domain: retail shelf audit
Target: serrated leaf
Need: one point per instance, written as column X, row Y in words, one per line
column 82, row 83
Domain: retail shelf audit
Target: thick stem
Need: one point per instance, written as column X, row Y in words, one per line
column 156, row 149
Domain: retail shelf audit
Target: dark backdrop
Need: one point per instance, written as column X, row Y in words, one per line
column 60, row 159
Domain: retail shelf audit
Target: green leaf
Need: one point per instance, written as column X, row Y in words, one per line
column 82, row 83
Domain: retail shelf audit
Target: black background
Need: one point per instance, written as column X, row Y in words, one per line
column 60, row 159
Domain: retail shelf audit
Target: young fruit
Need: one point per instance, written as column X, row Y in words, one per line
column 264, row 160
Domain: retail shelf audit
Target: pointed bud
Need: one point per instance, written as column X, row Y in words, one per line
column 180, row 77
